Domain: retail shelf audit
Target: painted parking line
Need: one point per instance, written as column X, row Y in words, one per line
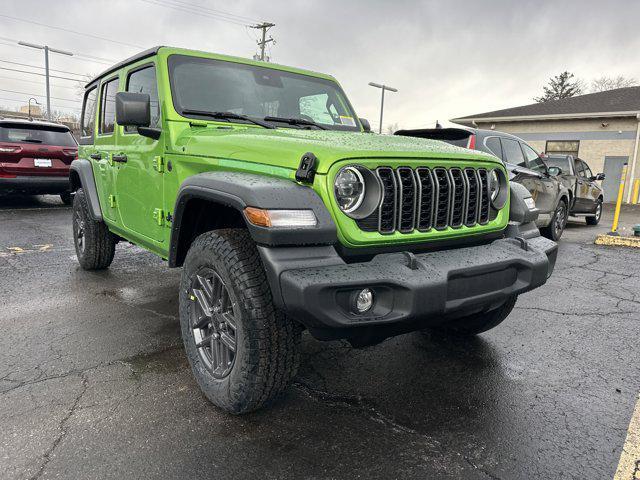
column 14, row 251
column 629, row 466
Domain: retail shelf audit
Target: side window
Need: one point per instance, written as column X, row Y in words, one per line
column 533, row 159
column 513, row 152
column 144, row 81
column 108, row 106
column 88, row 122
column 493, row 144
column 587, row 170
column 580, row 170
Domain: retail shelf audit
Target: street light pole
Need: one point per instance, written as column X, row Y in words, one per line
column 46, row 67
column 383, row 88
column 36, row 102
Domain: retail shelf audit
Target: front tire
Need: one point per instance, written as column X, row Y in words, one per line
column 594, row 220
column 479, row 322
column 558, row 222
column 95, row 244
column 243, row 352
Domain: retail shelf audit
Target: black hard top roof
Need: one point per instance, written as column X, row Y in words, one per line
column 138, row 56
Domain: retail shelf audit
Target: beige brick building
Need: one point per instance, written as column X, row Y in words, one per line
column 601, row 128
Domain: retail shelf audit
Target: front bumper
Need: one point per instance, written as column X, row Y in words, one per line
column 427, row 287
column 36, row 185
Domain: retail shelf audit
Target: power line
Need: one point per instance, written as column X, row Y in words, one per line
column 54, row 106
column 43, row 75
column 41, row 68
column 197, row 12
column 38, row 83
column 77, row 100
column 10, row 42
column 68, row 30
column 212, row 10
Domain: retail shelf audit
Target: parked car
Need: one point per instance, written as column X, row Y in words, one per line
column 524, row 165
column 585, row 195
column 260, row 182
column 35, row 157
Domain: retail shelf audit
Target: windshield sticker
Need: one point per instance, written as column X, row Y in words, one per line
column 347, row 121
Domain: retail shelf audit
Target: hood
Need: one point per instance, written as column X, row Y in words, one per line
column 285, row 146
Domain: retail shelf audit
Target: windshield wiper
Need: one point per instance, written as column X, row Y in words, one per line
column 32, row 140
column 295, row 121
column 228, row 116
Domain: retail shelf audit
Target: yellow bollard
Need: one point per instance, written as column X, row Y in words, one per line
column 636, row 191
column 616, row 216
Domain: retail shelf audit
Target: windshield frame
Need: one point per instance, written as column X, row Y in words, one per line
column 173, row 60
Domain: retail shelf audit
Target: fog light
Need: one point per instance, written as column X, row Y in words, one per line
column 364, row 300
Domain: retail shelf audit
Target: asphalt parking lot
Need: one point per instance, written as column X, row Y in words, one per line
column 94, row 382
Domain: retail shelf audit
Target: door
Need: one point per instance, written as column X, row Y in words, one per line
column 533, row 181
column 105, row 147
column 139, row 172
column 587, row 191
column 613, row 174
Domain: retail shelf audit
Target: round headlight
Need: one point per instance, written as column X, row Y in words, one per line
column 498, row 188
column 349, row 189
column 494, row 185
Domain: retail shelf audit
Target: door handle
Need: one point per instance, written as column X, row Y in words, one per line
column 96, row 156
column 119, row 158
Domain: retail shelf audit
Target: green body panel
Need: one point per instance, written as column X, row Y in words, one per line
column 135, row 197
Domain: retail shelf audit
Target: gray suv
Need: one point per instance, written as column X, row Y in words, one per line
column 524, row 165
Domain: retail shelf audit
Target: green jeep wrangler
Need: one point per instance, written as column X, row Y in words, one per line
column 286, row 213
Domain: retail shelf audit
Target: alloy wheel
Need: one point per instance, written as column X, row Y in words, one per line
column 560, row 220
column 598, row 211
column 213, row 323
column 79, row 232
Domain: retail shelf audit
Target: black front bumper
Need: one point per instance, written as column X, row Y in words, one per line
column 317, row 288
column 35, row 185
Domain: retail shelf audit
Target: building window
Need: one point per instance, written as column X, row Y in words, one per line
column 563, row 147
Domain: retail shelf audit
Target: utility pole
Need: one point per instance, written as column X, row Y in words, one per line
column 46, row 67
column 264, row 26
column 383, row 87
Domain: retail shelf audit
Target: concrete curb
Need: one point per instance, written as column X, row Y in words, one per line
column 614, row 241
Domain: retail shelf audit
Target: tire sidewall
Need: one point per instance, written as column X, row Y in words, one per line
column 556, row 235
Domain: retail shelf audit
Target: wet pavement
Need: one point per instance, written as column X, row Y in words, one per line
column 94, row 382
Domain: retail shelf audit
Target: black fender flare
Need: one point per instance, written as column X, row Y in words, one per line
column 239, row 190
column 81, row 175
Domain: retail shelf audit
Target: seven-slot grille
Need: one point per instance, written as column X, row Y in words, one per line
column 425, row 198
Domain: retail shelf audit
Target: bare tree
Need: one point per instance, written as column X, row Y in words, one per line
column 604, row 83
column 561, row 86
column 392, row 128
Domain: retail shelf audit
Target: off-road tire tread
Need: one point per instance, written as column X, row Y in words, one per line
column 100, row 243
column 271, row 338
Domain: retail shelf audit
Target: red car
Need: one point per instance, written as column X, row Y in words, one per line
column 35, row 157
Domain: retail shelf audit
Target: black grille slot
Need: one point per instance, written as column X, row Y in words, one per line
column 406, row 199
column 387, row 212
column 473, row 197
column 458, row 197
column 425, row 199
column 443, row 198
column 483, row 211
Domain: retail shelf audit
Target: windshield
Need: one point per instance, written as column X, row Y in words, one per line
column 562, row 162
column 19, row 134
column 257, row 92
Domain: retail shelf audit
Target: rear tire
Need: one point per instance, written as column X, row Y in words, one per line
column 596, row 218
column 243, row 352
column 558, row 221
column 480, row 322
column 95, row 244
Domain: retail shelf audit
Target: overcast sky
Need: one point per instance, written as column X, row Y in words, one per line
column 446, row 58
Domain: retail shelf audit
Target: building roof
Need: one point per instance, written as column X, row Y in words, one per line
column 612, row 103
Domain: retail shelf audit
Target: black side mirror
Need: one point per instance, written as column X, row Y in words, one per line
column 554, row 171
column 366, row 126
column 134, row 110
column 598, row 177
